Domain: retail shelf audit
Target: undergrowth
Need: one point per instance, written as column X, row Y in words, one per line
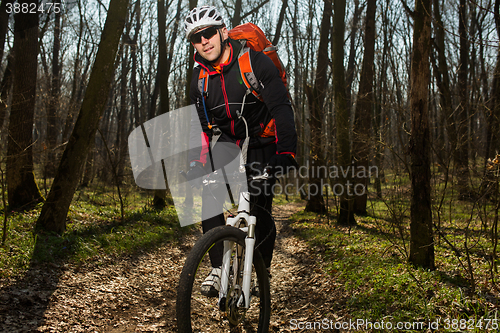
column 94, row 232
column 370, row 262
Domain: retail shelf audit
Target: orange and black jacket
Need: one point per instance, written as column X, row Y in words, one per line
column 269, row 121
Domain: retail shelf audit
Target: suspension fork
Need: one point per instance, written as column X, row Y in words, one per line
column 247, row 265
column 243, row 215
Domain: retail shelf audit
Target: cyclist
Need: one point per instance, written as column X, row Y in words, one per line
column 269, row 124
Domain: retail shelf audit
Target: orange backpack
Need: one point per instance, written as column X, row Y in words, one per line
column 251, row 37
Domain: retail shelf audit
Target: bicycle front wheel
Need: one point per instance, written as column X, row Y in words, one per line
column 198, row 313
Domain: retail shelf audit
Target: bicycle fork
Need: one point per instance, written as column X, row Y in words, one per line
column 243, row 218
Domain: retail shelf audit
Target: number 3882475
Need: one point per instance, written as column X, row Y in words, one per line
column 33, row 8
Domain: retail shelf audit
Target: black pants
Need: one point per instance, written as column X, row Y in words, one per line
column 261, row 200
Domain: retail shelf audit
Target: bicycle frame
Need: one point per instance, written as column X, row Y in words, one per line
column 246, row 222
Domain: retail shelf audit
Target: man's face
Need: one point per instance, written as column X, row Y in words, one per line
column 209, row 48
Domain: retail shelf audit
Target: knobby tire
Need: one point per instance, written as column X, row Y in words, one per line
column 192, row 275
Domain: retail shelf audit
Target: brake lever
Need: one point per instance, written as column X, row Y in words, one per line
column 265, row 175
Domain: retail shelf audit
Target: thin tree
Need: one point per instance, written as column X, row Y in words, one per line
column 462, row 151
column 22, row 189
column 316, row 98
column 134, row 51
column 342, row 116
column 494, row 114
column 4, row 24
column 441, row 74
column 162, row 198
column 351, row 63
column 421, row 234
column 281, row 18
column 364, row 110
column 53, row 99
column 5, row 87
column 237, row 13
column 55, row 209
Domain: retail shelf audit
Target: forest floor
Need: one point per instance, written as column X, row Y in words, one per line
column 137, row 293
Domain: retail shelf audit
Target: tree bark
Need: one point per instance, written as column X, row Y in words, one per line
column 316, row 98
column 133, row 79
column 5, row 87
column 163, row 198
column 346, row 214
column 4, row 24
column 493, row 116
column 421, row 234
column 50, row 165
column 190, row 62
column 441, row 74
column 364, row 110
column 351, row 63
column 237, row 13
column 462, row 152
column 78, row 80
column 55, row 209
column 22, row 189
column 281, row 18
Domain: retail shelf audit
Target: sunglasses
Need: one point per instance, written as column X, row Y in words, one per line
column 206, row 33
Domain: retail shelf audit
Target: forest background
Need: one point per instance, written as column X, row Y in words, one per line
column 411, row 89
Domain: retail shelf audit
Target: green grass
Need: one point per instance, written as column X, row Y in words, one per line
column 370, row 264
column 95, row 231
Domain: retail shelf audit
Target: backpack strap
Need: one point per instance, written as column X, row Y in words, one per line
column 270, row 49
column 203, row 82
column 203, row 88
column 247, row 74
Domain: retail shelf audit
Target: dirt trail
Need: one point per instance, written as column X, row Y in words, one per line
column 137, row 294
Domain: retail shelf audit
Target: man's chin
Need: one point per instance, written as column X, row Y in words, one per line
column 210, row 58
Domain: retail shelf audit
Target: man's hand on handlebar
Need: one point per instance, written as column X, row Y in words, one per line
column 282, row 163
column 194, row 174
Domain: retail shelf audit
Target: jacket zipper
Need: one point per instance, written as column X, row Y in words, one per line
column 226, row 101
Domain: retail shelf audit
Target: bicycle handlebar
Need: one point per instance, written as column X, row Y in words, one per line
column 216, row 177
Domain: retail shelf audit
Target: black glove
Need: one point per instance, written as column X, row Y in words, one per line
column 282, row 163
column 194, row 174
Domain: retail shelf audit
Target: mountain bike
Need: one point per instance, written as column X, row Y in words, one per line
column 244, row 300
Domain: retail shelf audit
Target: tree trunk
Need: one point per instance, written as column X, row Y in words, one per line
column 381, row 101
column 493, row 116
column 364, row 110
column 78, row 79
column 117, row 163
column 462, row 152
column 351, row 63
column 237, row 13
column 162, row 198
column 4, row 24
column 421, row 238
column 346, row 214
column 281, row 18
column 123, row 117
column 441, row 74
column 316, row 99
column 5, row 86
column 55, row 210
column 133, row 79
column 50, row 164
column 22, row 189
column 190, row 62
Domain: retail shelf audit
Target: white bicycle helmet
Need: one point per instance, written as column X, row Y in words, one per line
column 201, row 17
